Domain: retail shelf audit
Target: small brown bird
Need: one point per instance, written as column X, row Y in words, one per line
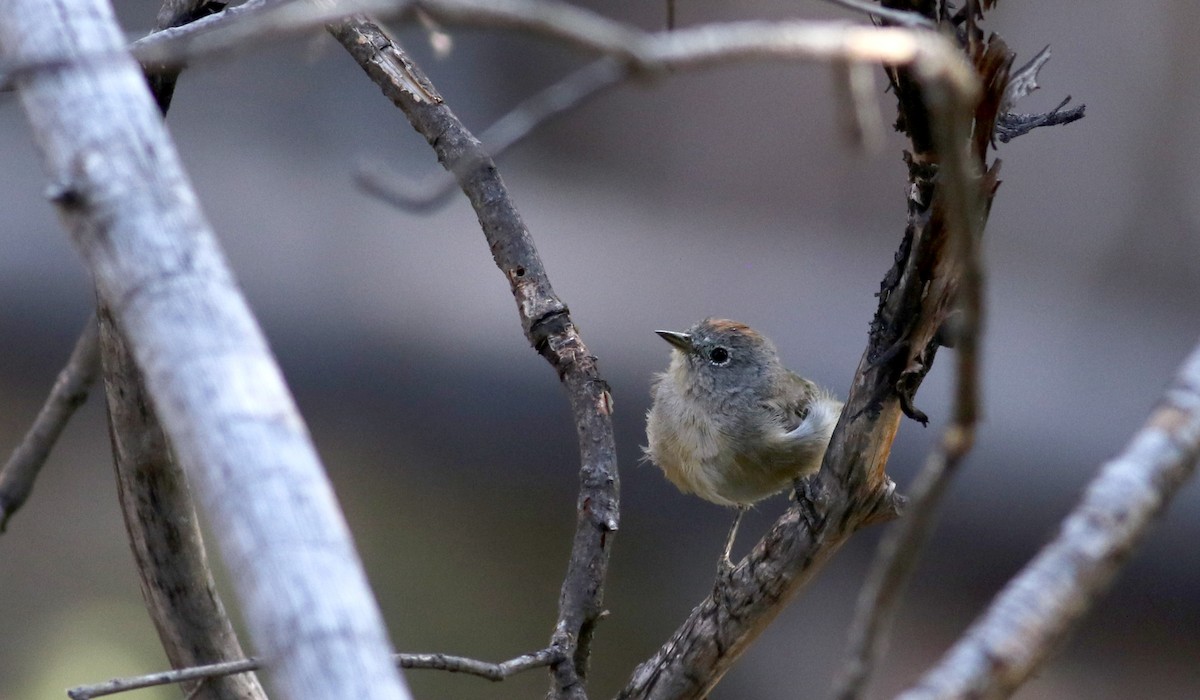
column 730, row 423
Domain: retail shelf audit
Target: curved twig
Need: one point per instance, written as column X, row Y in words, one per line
column 547, row 325
column 434, row 190
column 897, row 17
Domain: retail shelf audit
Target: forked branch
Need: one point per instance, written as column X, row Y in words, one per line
column 548, row 327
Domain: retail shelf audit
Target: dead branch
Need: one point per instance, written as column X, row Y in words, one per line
column 224, row 406
column 156, row 503
column 851, row 489
column 436, row 662
column 435, row 190
column 901, row 547
column 69, row 392
column 1030, row 618
column 900, row 18
column 547, row 325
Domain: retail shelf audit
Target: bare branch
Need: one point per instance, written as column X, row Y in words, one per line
column 156, row 503
column 547, row 325
column 164, row 532
column 252, row 22
column 174, row 13
column 1011, row 124
column 69, row 392
column 122, row 685
column 483, row 669
column 851, row 489
column 122, row 193
column 434, row 190
column 960, row 181
column 897, row 17
column 436, row 662
column 1023, row 80
column 707, row 45
column 1029, row 619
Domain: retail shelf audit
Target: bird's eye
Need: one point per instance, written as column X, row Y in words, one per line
column 718, row 356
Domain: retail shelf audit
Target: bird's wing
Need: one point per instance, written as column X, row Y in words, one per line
column 792, row 401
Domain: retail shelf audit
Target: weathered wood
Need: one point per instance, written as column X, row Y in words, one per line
column 548, row 327
column 224, row 406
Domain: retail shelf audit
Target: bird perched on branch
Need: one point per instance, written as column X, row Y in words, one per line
column 730, row 423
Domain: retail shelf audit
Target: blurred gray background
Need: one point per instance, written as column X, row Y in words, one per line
column 728, row 193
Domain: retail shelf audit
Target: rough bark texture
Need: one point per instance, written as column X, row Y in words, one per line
column 214, row 383
column 547, row 324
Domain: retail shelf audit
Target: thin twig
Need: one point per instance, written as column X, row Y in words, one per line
column 69, row 392
column 434, row 190
column 436, row 662
column 886, row 582
column 121, row 685
column 898, row 17
column 1022, row 81
column 253, row 22
column 250, row 23
column 1010, row 125
column 547, row 325
column 1029, row 619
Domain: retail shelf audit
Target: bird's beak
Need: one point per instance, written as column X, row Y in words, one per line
column 682, row 341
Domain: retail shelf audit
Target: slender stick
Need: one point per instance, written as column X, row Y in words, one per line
column 898, row 17
column 547, row 325
column 435, row 190
column 69, row 392
column 437, row 662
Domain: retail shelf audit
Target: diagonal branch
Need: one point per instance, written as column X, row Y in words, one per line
column 123, row 195
column 1029, row 619
column 547, row 325
column 156, row 503
column 435, row 190
column 69, row 392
